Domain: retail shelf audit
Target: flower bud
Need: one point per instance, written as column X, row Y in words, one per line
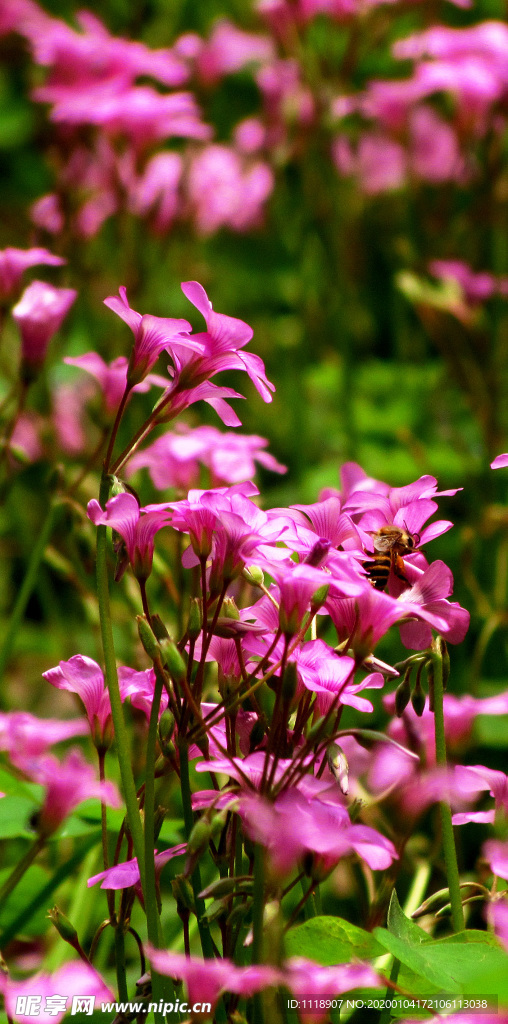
column 253, row 574
column 403, row 693
column 194, row 623
column 158, row 627
column 229, row 609
column 64, row 927
column 165, row 730
column 173, row 660
column 318, row 553
column 337, row 763
column 183, row 893
column 148, row 638
column 418, row 696
column 117, row 486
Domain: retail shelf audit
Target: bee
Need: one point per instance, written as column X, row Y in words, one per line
column 390, row 544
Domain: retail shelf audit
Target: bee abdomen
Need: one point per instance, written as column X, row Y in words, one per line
column 378, row 570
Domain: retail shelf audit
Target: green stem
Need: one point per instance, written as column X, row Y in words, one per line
column 204, row 931
column 121, row 975
column 26, row 589
column 450, row 853
column 17, row 874
column 258, row 906
column 121, row 734
column 159, row 983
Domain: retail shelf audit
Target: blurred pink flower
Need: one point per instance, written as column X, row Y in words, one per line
column 205, row 980
column 24, row 735
column 83, row 676
column 225, row 190
column 302, row 976
column 434, row 153
column 230, row 49
column 112, row 377
column 67, row 784
column 174, row 459
column 156, row 192
column 14, row 262
column 496, row 854
column 500, row 461
column 46, row 213
column 379, row 162
column 67, row 981
column 39, row 314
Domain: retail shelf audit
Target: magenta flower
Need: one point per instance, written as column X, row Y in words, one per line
column 14, row 262
column 67, row 783
column 23, row 735
column 331, row 678
column 139, row 687
column 135, row 526
column 126, row 875
column 39, row 314
column 156, row 192
column 430, row 591
column 152, row 334
column 477, row 287
column 112, row 377
column 500, row 461
column 76, row 978
column 496, row 854
column 229, row 49
column 475, row 779
column 174, row 459
column 497, row 914
column 302, row 977
column 362, row 621
column 83, row 676
column 460, row 714
column 205, row 980
column 227, row 189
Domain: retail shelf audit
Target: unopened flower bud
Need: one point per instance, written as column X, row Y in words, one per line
column 403, row 693
column 253, row 574
column 194, row 623
column 158, row 627
column 318, row 552
column 200, row 837
column 320, row 596
column 173, row 660
column 117, row 486
column 229, row 609
column 64, row 927
column 183, row 893
column 148, row 638
column 418, row 696
column 166, row 728
column 337, row 763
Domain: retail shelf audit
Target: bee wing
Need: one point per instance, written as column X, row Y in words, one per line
column 386, row 541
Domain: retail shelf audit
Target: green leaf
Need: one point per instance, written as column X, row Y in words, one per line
column 402, row 926
column 15, row 814
column 33, row 881
column 454, row 964
column 331, row 940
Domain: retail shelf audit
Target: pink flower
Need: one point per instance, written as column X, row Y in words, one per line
column 365, row 619
column 229, row 49
column 152, row 334
column 434, row 148
column 475, row 779
column 35, row 993
column 379, row 162
column 174, row 458
column 135, row 526
column 126, row 875
column 496, row 854
column 303, row 977
column 476, row 287
column 331, row 677
column 225, row 337
column 39, row 314
column 112, row 377
column 500, row 461
column 226, row 190
column 430, row 591
column 83, row 676
column 67, row 783
column 205, row 980
column 23, row 735
column 46, row 213
column 14, row 262
column 156, row 192
column 498, row 913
